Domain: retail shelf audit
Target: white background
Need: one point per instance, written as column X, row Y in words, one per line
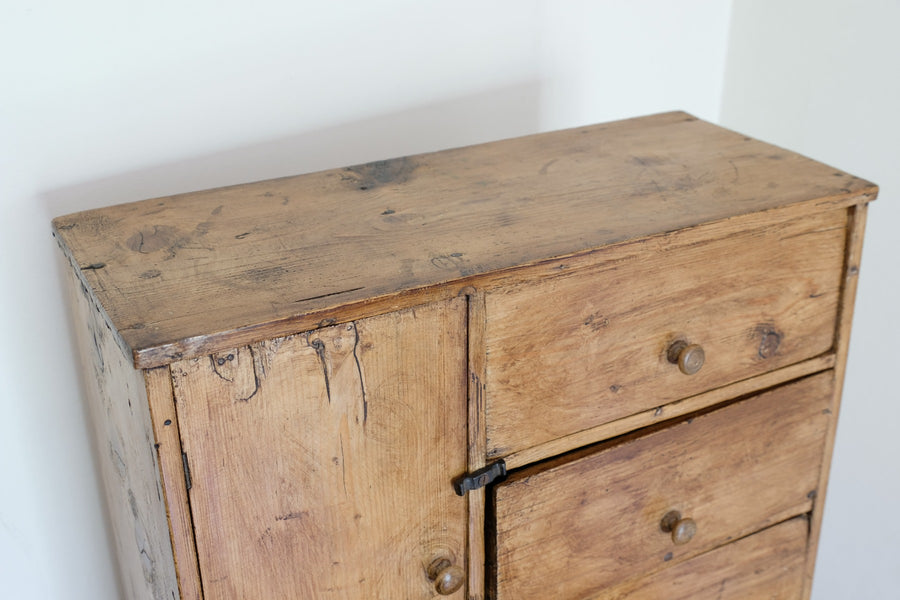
column 103, row 102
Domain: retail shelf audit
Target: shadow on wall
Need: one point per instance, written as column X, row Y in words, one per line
column 495, row 114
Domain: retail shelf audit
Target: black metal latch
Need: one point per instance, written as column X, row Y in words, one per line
column 480, row 478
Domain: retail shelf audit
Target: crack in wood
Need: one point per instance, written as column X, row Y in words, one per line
column 356, row 289
column 319, row 346
column 343, row 465
column 255, row 377
column 362, row 385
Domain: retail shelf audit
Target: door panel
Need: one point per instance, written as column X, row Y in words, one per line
column 321, row 463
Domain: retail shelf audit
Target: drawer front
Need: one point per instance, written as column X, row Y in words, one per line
column 768, row 565
column 575, row 527
column 570, row 352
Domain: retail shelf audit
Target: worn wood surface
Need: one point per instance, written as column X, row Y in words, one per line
column 322, row 463
column 571, row 529
column 584, row 348
column 842, row 344
column 117, row 402
column 512, row 300
column 161, row 401
column 765, row 565
column 192, row 274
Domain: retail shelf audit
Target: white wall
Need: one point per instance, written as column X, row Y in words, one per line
column 103, row 102
column 823, row 78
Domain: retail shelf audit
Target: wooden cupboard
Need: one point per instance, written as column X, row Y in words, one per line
column 604, row 362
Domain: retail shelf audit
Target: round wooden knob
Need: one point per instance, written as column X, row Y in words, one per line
column 688, row 357
column 682, row 529
column 447, row 577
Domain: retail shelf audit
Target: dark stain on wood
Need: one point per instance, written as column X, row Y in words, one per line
column 154, row 238
column 264, row 274
column 292, row 515
column 596, row 323
column 381, row 172
column 448, row 262
column 547, row 165
column 769, row 339
column 648, row 161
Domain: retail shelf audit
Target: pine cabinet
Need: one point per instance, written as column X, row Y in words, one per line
column 602, row 363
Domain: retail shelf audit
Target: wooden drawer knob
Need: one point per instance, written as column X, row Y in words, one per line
column 447, row 577
column 682, row 529
column 688, row 357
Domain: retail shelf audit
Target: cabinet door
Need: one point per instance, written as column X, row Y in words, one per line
column 321, row 463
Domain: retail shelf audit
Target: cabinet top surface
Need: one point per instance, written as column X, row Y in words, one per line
column 189, row 274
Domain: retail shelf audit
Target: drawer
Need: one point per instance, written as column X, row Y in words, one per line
column 577, row 350
column 768, row 565
column 582, row 523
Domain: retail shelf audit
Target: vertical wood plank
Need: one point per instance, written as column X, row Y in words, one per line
column 855, row 230
column 117, row 400
column 477, row 442
column 171, row 469
column 322, row 463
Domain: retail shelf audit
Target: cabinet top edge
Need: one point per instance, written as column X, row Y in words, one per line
column 190, row 274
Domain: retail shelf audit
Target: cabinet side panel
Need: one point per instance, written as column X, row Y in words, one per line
column 117, row 399
column 855, row 231
column 322, row 463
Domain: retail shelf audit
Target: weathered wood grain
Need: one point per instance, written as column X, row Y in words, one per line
column 117, row 401
column 572, row 529
column 766, row 565
column 161, row 401
column 192, row 274
column 583, row 348
column 322, row 462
